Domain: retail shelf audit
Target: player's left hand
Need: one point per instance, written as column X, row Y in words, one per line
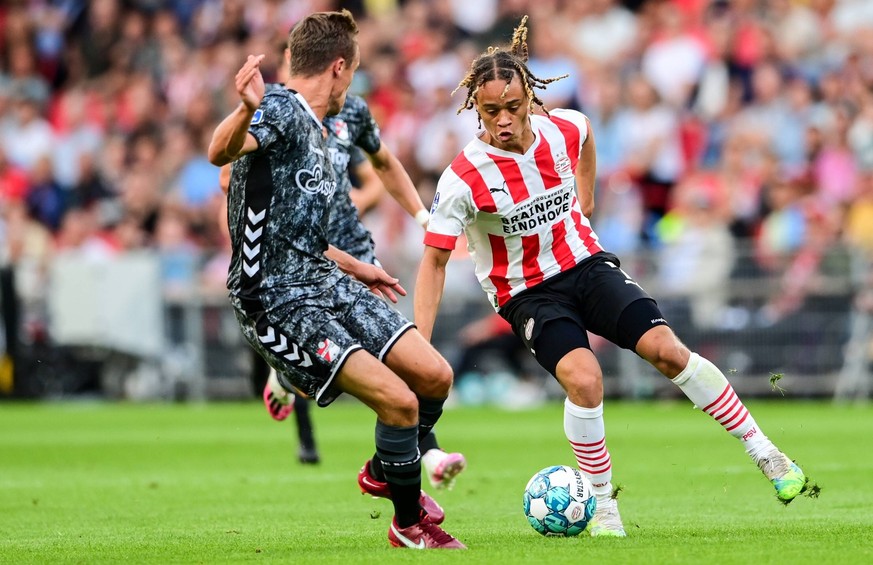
column 250, row 83
column 379, row 282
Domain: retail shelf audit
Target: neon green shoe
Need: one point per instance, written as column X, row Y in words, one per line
column 606, row 521
column 787, row 478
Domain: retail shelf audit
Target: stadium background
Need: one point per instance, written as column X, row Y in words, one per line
column 735, row 169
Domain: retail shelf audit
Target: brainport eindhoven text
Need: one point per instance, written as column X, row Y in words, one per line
column 544, row 209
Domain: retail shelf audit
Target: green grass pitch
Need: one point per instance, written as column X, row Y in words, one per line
column 219, row 483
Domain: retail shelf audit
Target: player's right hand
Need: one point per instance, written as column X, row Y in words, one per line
column 250, row 83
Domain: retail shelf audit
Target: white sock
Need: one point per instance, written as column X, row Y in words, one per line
column 276, row 387
column 431, row 458
column 587, row 436
column 707, row 387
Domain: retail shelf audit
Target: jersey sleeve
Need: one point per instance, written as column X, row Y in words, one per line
column 451, row 212
column 368, row 135
column 576, row 118
column 267, row 122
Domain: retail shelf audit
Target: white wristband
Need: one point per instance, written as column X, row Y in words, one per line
column 422, row 217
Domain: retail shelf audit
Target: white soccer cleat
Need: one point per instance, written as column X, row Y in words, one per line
column 442, row 468
column 607, row 520
column 278, row 401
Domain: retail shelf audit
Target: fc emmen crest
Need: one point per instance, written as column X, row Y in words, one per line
column 341, row 130
column 328, row 350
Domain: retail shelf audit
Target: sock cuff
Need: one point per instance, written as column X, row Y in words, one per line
column 582, row 412
column 688, row 371
column 430, row 406
column 396, row 445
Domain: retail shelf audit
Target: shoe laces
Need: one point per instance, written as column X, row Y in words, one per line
column 436, row 533
column 774, row 465
column 607, row 513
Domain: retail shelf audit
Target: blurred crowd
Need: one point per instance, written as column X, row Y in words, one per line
column 716, row 121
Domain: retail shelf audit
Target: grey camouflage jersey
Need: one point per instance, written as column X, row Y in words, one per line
column 278, row 206
column 353, row 126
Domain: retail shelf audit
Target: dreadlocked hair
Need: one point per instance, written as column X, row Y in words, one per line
column 498, row 63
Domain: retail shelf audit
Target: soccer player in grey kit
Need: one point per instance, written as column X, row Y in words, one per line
column 305, row 306
column 348, row 135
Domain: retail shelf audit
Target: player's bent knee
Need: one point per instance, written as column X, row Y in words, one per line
column 662, row 348
column 398, row 408
column 436, row 380
column 583, row 388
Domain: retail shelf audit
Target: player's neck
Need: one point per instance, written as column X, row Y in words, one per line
column 315, row 90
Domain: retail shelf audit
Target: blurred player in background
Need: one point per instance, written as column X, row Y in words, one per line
column 299, row 301
column 523, row 192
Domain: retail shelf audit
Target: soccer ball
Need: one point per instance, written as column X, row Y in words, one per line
column 558, row 501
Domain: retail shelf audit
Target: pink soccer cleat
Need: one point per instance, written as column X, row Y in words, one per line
column 278, row 401
column 442, row 467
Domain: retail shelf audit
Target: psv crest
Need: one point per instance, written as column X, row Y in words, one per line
column 562, row 164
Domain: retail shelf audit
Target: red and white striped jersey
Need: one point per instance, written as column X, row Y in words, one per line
column 520, row 213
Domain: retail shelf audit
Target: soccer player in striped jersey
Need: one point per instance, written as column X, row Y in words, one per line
column 522, row 192
column 308, row 308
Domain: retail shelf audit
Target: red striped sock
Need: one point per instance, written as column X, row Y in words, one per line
column 587, row 436
column 707, row 387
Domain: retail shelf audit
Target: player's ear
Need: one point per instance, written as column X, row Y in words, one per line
column 338, row 66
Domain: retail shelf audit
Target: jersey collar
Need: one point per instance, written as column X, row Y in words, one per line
column 306, row 106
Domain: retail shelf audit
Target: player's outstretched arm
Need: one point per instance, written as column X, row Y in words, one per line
column 399, row 185
column 586, row 173
column 377, row 280
column 429, row 288
column 231, row 139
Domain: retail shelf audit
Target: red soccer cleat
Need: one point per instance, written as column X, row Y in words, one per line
column 379, row 489
column 423, row 535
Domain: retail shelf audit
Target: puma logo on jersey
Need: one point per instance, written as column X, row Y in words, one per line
column 500, row 189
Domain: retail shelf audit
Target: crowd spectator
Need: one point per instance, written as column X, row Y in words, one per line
column 755, row 108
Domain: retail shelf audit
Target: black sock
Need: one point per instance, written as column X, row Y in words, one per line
column 429, row 411
column 304, row 422
column 429, row 442
column 397, row 449
column 376, row 468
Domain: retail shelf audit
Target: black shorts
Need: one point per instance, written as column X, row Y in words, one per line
column 592, row 296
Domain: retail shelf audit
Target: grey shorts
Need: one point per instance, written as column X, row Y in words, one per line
column 309, row 340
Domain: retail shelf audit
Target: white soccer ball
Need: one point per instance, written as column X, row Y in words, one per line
column 558, row 501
